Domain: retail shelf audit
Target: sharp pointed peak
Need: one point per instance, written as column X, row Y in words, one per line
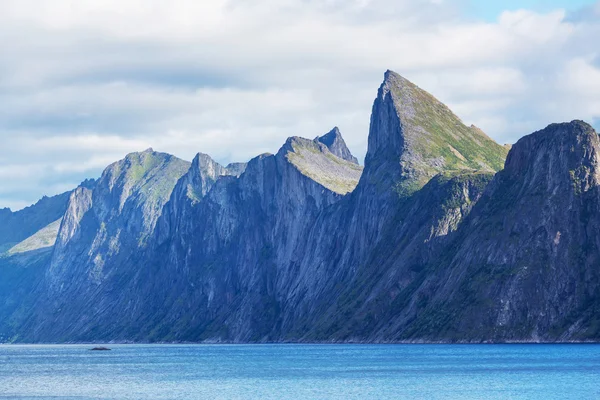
column 392, row 76
column 201, row 156
column 336, row 145
column 203, row 162
column 414, row 136
column 330, row 136
column 334, row 131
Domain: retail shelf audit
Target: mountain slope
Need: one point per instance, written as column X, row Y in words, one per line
column 42, row 239
column 219, row 236
column 525, row 266
column 390, row 225
column 18, row 226
column 337, row 172
column 430, row 241
column 414, row 137
column 103, row 226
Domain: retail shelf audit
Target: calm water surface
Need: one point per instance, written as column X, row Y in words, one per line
column 301, row 372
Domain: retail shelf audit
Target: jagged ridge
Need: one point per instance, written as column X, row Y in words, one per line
column 430, row 245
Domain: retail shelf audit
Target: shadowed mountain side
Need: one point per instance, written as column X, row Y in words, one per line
column 525, row 266
column 429, row 242
column 219, row 236
column 18, row 226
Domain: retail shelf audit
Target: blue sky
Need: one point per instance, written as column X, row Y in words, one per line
column 84, row 82
column 490, row 9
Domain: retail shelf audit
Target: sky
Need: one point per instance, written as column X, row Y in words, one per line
column 83, row 83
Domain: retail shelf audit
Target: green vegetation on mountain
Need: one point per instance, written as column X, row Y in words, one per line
column 427, row 243
column 314, row 160
column 143, row 183
column 19, row 225
column 44, row 238
column 435, row 140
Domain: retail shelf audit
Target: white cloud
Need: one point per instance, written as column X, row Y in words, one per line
column 84, row 82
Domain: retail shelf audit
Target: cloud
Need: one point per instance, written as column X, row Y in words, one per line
column 84, row 82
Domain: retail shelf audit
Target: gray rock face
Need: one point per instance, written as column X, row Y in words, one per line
column 525, row 266
column 336, row 145
column 103, row 228
column 427, row 243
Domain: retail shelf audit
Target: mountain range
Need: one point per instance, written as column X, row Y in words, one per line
column 443, row 236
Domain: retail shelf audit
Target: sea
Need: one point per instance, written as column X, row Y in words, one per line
column 301, row 371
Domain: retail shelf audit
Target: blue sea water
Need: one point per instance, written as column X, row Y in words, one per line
column 301, row 372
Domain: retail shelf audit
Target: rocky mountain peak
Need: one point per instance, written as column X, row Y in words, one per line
column 159, row 249
column 88, row 183
column 314, row 159
column 201, row 176
column 138, row 173
column 561, row 155
column 203, row 162
column 413, row 137
column 136, row 189
column 336, row 145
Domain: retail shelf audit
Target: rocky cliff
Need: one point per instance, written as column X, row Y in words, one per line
column 524, row 267
column 431, row 241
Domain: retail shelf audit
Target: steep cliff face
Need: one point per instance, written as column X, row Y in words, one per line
column 178, row 214
column 427, row 243
column 525, row 266
column 414, row 137
column 382, row 228
column 118, row 214
column 209, row 268
column 238, row 250
column 234, row 255
column 105, row 227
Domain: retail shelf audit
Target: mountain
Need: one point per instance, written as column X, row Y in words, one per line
column 218, row 236
column 440, row 237
column 18, row 226
column 414, row 137
column 525, row 265
column 336, row 145
column 392, row 223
